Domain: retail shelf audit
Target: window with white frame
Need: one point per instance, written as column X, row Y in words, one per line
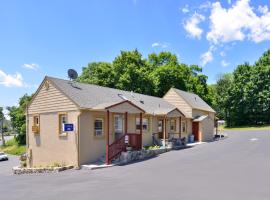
column 62, row 122
column 145, row 124
column 183, row 126
column 98, row 127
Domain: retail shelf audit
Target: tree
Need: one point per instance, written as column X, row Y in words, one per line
column 242, row 98
column 2, row 118
column 18, row 120
column 152, row 76
column 99, row 73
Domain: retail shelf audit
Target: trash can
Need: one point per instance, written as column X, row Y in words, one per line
column 191, row 138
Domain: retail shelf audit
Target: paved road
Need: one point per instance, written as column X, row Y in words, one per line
column 235, row 168
column 6, row 166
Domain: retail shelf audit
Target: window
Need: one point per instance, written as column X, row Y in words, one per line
column 98, row 126
column 183, row 126
column 36, row 120
column 145, row 124
column 62, row 122
column 35, row 127
column 173, row 125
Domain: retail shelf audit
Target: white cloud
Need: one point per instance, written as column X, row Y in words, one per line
column 191, row 25
column 224, row 63
column 222, row 54
column 237, row 23
column 229, row 1
column 185, row 9
column 160, row 44
column 205, row 6
column 263, row 9
column 9, row 80
column 207, row 57
column 32, row 66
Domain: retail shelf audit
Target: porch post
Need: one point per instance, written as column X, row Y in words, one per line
column 141, row 128
column 126, row 122
column 108, row 138
column 180, row 127
column 164, row 130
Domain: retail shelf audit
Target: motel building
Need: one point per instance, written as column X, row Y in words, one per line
column 74, row 123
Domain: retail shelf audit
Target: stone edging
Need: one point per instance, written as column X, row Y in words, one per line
column 133, row 156
column 18, row 170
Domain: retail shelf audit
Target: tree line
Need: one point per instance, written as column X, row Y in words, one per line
column 241, row 97
column 153, row 75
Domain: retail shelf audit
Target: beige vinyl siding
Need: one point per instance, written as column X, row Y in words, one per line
column 48, row 147
column 50, row 100
column 91, row 148
column 207, row 128
column 173, row 98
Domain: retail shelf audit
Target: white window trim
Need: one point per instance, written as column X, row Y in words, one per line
column 148, row 124
column 102, row 130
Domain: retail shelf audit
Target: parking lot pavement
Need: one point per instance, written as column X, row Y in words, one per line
column 234, row 168
column 6, row 166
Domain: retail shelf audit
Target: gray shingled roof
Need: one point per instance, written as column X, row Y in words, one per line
column 94, row 96
column 194, row 100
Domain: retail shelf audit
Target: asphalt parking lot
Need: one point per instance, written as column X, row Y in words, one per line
column 234, row 168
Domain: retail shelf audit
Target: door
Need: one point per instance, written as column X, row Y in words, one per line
column 195, row 130
column 118, row 126
column 160, row 128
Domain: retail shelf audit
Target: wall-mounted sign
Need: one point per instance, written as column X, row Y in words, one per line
column 126, row 139
column 68, row 127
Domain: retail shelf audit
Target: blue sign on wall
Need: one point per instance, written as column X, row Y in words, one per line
column 68, row 127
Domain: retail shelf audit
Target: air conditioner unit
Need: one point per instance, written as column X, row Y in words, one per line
column 35, row 129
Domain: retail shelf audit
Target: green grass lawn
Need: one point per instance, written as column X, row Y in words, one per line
column 246, row 128
column 13, row 148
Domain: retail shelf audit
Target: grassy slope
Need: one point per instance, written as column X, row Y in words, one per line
column 13, row 148
column 245, row 128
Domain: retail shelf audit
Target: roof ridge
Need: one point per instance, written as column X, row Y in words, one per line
column 50, row 77
column 185, row 91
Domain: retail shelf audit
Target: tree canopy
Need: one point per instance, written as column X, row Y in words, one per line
column 242, row 97
column 154, row 75
column 17, row 118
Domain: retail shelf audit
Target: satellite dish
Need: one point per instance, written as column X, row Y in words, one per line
column 72, row 74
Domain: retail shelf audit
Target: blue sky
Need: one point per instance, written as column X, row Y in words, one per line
column 39, row 38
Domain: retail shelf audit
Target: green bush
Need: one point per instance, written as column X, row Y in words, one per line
column 12, row 147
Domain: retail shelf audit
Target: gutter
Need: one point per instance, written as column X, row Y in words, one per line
column 78, row 138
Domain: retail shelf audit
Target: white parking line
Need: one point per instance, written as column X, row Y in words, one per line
column 254, row 139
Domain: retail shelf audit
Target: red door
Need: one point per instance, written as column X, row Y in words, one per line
column 195, row 130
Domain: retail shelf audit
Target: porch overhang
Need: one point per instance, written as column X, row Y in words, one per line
column 200, row 118
column 124, row 107
column 175, row 113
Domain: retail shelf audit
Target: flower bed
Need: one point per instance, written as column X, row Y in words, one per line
column 19, row 170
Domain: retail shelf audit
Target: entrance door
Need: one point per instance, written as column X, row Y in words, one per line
column 118, row 126
column 195, row 130
column 160, row 128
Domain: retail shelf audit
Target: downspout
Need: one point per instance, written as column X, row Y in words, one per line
column 78, row 138
column 27, row 126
